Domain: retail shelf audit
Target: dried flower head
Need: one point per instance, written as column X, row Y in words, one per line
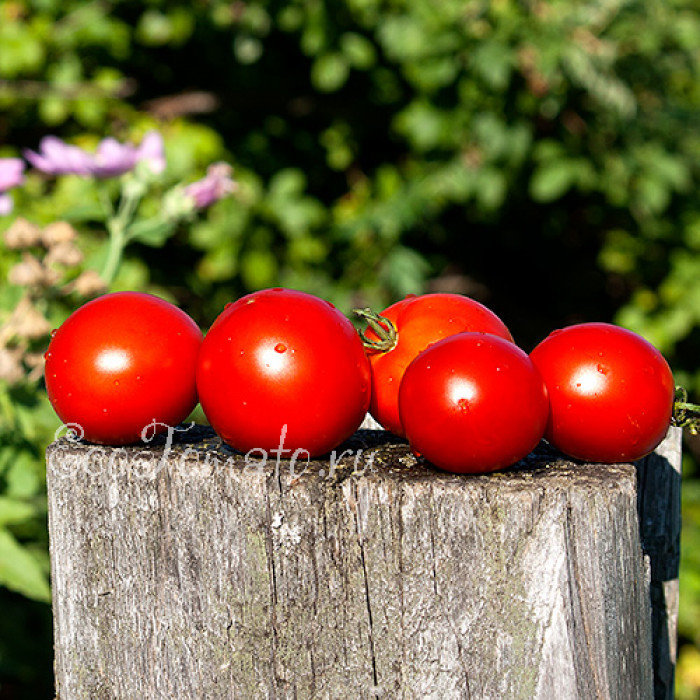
column 87, row 284
column 35, row 362
column 58, row 232
column 22, row 234
column 11, row 369
column 64, row 253
column 27, row 322
column 30, row 272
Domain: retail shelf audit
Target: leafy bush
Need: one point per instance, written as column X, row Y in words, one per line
column 542, row 157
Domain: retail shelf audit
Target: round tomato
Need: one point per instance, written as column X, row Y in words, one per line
column 611, row 392
column 120, row 363
column 283, row 370
column 410, row 326
column 473, row 403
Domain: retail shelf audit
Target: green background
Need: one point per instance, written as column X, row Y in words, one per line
column 543, row 157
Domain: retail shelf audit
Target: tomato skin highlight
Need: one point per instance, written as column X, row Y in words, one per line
column 419, row 322
column 611, row 392
column 473, row 403
column 120, row 362
column 283, row 370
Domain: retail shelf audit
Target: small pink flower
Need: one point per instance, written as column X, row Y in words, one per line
column 111, row 158
column 152, row 151
column 11, row 175
column 55, row 157
column 215, row 185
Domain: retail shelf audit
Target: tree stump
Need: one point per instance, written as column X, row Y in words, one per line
column 187, row 570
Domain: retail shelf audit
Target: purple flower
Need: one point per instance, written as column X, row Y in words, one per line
column 151, row 151
column 56, row 157
column 11, row 175
column 110, row 159
column 113, row 158
column 217, row 183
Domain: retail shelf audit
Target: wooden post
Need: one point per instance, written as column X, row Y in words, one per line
column 187, row 570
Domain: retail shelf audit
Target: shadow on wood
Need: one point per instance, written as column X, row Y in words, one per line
column 659, row 509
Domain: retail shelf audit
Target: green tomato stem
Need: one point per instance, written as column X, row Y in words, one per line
column 685, row 414
column 383, row 328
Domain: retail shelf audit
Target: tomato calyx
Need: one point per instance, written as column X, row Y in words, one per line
column 383, row 328
column 685, row 414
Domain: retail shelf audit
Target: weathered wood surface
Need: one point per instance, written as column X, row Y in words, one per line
column 189, row 571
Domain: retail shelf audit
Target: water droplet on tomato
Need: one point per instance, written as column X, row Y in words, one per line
column 47, row 355
column 410, row 296
column 277, row 289
column 53, row 332
column 227, row 304
column 330, row 303
column 463, row 405
column 602, row 368
column 280, row 347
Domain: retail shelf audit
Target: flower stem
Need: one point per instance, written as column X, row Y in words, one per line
column 117, row 243
column 117, row 226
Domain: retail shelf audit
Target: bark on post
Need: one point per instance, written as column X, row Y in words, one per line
column 190, row 571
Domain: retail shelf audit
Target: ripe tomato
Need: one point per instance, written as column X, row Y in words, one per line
column 611, row 392
column 283, row 370
column 419, row 321
column 473, row 403
column 120, row 362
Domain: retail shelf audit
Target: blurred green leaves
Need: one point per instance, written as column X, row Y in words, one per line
column 20, row 571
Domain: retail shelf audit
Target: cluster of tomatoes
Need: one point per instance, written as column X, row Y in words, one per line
column 284, row 370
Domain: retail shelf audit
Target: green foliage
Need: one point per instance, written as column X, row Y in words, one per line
column 543, row 156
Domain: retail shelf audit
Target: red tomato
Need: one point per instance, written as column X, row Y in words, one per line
column 473, row 403
column 120, row 362
column 418, row 322
column 611, row 392
column 283, row 370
